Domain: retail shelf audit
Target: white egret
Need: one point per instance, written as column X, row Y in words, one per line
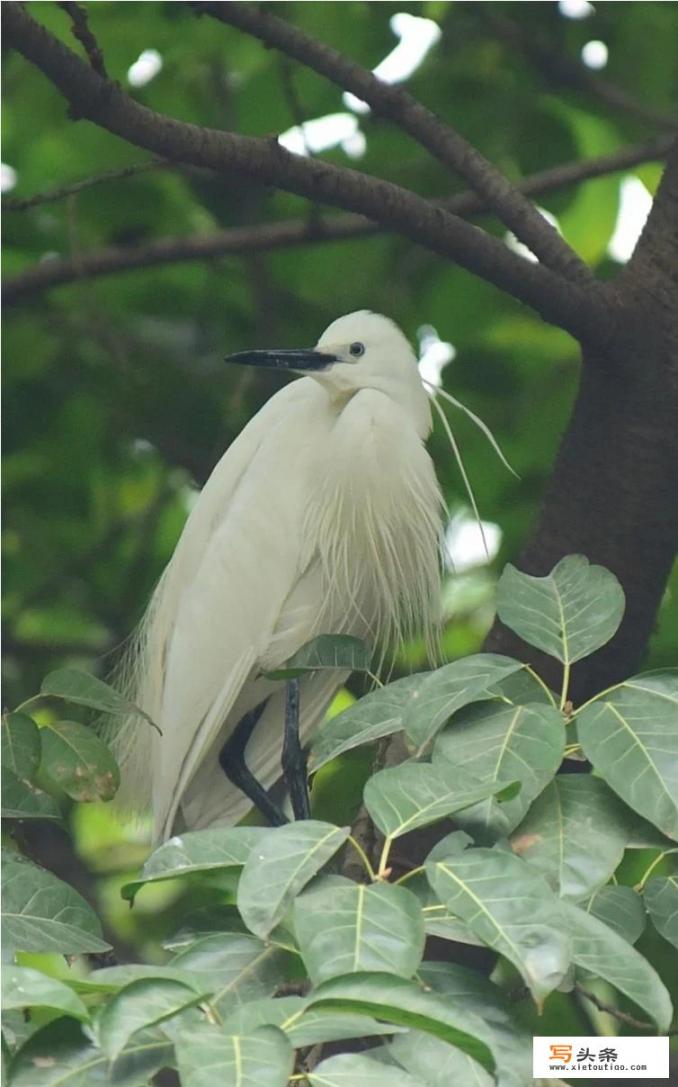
column 323, row 516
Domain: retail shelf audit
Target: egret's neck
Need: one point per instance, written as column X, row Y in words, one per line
column 409, row 395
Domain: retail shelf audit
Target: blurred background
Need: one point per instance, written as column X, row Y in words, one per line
column 117, row 401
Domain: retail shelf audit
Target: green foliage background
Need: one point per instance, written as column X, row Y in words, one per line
column 116, row 400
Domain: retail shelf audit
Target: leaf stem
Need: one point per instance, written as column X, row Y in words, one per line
column 27, row 702
column 594, row 698
column 383, row 860
column 566, row 684
column 412, row 872
column 363, row 856
column 640, row 886
column 540, row 681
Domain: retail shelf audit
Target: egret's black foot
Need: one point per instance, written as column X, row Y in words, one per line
column 232, row 762
column 293, row 756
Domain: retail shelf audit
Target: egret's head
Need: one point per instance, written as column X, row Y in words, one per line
column 362, row 350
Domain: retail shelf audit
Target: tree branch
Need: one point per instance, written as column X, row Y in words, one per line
column 84, row 35
column 49, row 196
column 616, row 1013
column 443, row 142
column 576, row 308
column 269, row 236
column 558, row 68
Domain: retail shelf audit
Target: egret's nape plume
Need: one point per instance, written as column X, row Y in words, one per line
column 323, row 516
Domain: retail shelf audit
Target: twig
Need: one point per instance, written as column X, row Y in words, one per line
column 442, row 141
column 292, row 232
column 49, row 196
column 623, row 1017
column 558, row 68
column 84, row 35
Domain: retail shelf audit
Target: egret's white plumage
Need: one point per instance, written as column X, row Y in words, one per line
column 323, row 516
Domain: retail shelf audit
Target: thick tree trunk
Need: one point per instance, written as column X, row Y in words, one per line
column 613, row 494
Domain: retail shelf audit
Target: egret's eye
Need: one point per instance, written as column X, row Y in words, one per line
column 357, row 349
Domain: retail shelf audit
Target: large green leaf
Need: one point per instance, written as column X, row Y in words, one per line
column 378, row 714
column 79, row 762
column 234, row 968
column 197, row 851
column 281, row 864
column 511, row 1042
column 498, row 743
column 208, row 1056
column 574, row 833
column 416, row 794
column 23, row 987
column 436, row 1063
column 304, row 1026
column 630, row 735
column 450, row 688
column 569, row 613
column 620, row 908
column 510, row 907
column 20, row 745
column 23, row 800
column 661, row 899
column 602, row 952
column 327, row 652
column 138, row 1005
column 84, row 689
column 59, row 1055
column 353, row 1069
column 420, row 704
column 40, row 913
column 343, row 927
column 110, row 979
column 406, row 1004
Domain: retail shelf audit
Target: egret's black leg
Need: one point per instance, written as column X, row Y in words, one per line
column 232, row 762
column 293, row 757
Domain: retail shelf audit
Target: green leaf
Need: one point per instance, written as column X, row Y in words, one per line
column 23, row 987
column 630, row 735
column 620, row 908
column 110, row 979
column 378, row 714
column 140, row 1004
column 405, row 1004
column 281, row 864
column 40, row 913
column 511, row 1043
column 327, row 652
column 353, row 1069
column 416, row 794
column 304, row 1026
column 208, row 1056
column 85, row 689
column 343, row 927
column 234, row 968
column 448, row 689
column 574, row 834
column 420, row 704
column 79, row 762
column 600, row 951
column 197, row 851
column 23, row 800
column 20, row 745
column 60, row 1055
column 511, row 908
column 497, row 743
column 436, row 1063
column 568, row 614
column 661, row 898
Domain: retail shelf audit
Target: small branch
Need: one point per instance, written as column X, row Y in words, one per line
column 623, row 1017
column 442, row 141
column 283, row 234
column 49, row 196
column 84, row 35
column 577, row 308
column 557, row 68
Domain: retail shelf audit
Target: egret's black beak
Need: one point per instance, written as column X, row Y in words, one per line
column 284, row 359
